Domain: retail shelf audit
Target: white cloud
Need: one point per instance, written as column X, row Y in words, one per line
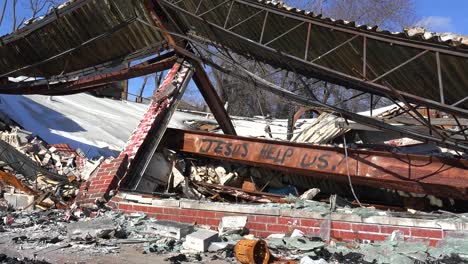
column 437, row 23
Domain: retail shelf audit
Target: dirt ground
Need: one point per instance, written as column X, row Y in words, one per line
column 129, row 254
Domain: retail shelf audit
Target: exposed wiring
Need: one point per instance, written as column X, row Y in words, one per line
column 347, row 170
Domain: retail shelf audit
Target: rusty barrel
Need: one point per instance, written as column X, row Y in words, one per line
column 252, row 252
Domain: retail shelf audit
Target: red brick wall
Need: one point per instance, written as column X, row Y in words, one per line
column 262, row 226
column 138, row 136
column 109, row 175
column 99, row 185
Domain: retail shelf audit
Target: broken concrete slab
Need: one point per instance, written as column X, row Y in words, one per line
column 19, row 201
column 303, row 244
column 232, row 225
column 95, row 228
column 200, row 240
column 170, row 229
column 218, row 246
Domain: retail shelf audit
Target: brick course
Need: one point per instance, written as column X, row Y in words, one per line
column 101, row 183
column 262, row 226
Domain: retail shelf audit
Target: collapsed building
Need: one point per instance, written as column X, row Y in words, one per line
column 410, row 157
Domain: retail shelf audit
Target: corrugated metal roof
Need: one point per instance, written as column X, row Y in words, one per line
column 414, row 33
column 65, row 30
column 283, row 43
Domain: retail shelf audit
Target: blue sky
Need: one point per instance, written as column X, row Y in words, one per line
column 444, row 15
column 435, row 15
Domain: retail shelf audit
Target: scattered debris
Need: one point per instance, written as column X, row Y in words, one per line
column 232, row 225
column 310, row 194
column 39, row 181
column 170, row 229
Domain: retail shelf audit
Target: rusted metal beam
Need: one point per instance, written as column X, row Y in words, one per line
column 125, row 85
column 442, row 177
column 93, row 82
column 212, row 99
column 201, row 78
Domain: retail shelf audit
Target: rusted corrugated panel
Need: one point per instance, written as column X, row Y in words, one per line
column 322, row 130
column 413, row 173
column 77, row 23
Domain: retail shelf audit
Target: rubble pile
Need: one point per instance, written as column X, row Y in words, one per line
column 34, row 174
column 224, row 181
column 5, row 259
column 72, row 231
column 195, row 177
column 60, row 159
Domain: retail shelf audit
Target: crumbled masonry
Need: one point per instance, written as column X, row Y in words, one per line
column 109, row 232
column 78, row 230
column 351, row 147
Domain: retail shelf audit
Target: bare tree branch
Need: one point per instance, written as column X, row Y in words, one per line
column 3, row 11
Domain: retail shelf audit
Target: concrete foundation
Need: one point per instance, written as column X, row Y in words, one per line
column 264, row 221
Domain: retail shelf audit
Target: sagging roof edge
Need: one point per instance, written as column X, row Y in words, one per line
column 415, row 34
column 419, row 35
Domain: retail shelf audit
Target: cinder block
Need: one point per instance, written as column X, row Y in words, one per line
column 170, row 229
column 201, row 240
column 234, row 224
column 19, row 201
